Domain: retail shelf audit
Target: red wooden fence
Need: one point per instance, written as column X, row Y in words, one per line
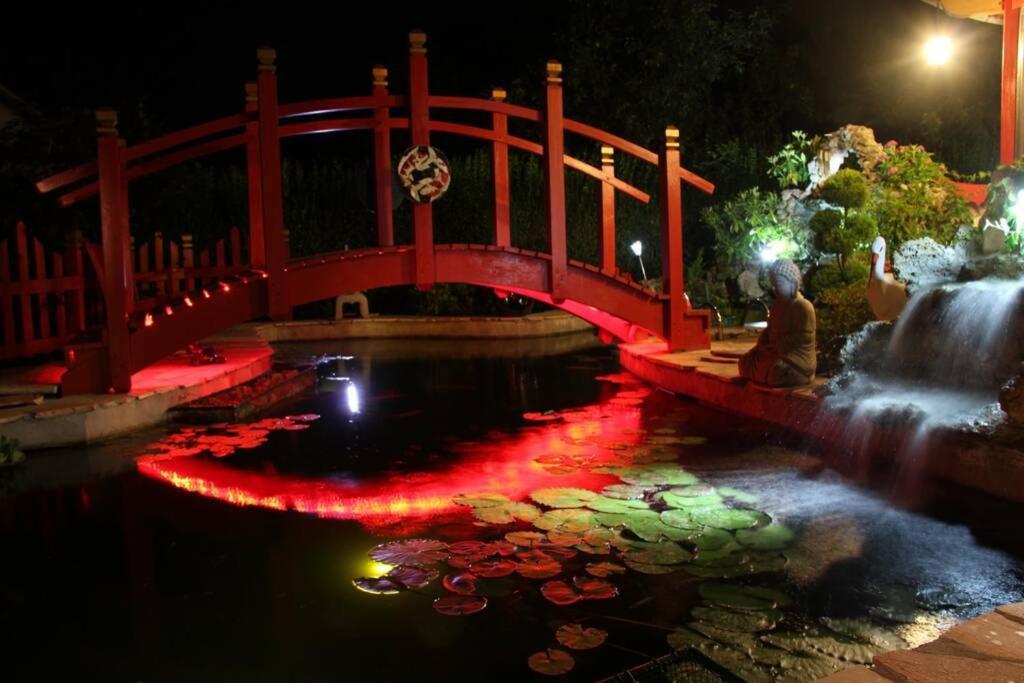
column 48, row 297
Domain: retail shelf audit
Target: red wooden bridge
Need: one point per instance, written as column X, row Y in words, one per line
column 196, row 300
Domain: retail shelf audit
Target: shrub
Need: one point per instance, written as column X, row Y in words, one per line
column 844, row 230
column 829, row 276
column 746, row 224
column 789, row 165
column 847, row 189
column 842, row 310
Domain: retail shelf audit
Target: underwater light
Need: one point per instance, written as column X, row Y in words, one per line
column 352, row 397
column 938, row 50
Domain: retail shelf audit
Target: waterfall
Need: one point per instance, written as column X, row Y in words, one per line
column 947, row 356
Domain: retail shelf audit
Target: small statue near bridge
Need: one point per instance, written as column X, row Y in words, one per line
column 785, row 354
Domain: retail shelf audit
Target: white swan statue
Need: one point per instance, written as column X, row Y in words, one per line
column 886, row 294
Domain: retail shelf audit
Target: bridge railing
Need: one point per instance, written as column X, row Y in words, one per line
column 264, row 121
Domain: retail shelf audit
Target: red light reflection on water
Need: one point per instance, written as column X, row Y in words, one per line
column 502, row 463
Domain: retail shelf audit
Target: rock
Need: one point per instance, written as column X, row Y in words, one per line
column 993, row 238
column 1011, row 400
column 924, row 263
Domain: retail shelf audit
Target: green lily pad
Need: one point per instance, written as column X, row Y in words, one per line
column 797, row 668
column 744, row 622
column 730, row 518
column 710, row 538
column 698, row 490
column 551, row 662
column 563, row 497
column 834, row 645
column 605, row 538
column 666, row 552
column 866, row 631
column 742, row 597
column 611, row 519
column 625, row 491
column 745, row 642
column 480, row 500
column 680, row 519
column 658, row 474
column 682, row 638
column 674, row 500
column 414, row 552
column 506, row 513
column 576, row 637
column 729, row 554
column 771, row 537
column 603, row 504
column 739, row 496
column 569, row 520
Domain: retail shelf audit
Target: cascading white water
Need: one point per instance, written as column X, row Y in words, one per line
column 949, row 353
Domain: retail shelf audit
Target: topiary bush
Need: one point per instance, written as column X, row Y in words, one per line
column 848, row 228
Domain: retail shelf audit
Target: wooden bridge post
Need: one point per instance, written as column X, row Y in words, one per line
column 419, row 129
column 499, row 174
column 554, row 180
column 270, row 184
column 117, row 275
column 382, row 159
column 607, row 211
column 673, row 289
column 257, row 243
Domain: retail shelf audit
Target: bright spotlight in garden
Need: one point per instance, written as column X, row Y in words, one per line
column 938, row 50
column 772, row 250
column 638, row 249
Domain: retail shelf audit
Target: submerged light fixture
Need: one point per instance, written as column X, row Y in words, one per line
column 352, row 397
column 638, row 249
column 938, row 50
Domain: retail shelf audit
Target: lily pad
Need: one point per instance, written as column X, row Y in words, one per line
column 459, row 605
column 712, row 539
column 480, row 500
column 604, row 569
column 742, row 597
column 693, row 490
column 462, row 583
column 412, row 577
column 551, row 662
column 560, row 593
column 730, row 518
column 864, row 630
column 744, row 622
column 563, row 497
column 592, row 588
column 506, row 513
column 625, row 491
column 380, row 585
column 658, row 474
column 411, row 552
column 526, row 539
column 682, row 638
column 564, row 539
column 739, row 496
column 603, row 504
column 493, row 569
column 576, row 637
column 666, row 552
column 645, row 568
column 743, row 641
column 571, row 520
column 539, row 569
column 674, row 500
column 680, row 519
column 771, row 537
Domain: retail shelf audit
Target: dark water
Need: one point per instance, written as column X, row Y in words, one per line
column 187, row 573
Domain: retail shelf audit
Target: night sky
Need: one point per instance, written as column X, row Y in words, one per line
column 187, row 62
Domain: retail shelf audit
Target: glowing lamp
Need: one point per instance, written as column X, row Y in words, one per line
column 352, row 398
column 772, row 250
column 148, row 320
column 938, row 50
column 188, row 302
column 638, row 249
column 206, row 294
column 225, row 286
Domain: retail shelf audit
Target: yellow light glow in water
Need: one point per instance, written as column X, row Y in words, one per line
column 375, row 569
column 938, row 50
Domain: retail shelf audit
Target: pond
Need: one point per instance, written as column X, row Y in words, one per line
column 433, row 517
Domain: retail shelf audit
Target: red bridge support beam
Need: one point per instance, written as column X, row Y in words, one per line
column 270, row 184
column 606, row 240
column 257, row 243
column 554, row 179
column 1009, row 113
column 382, row 159
column 673, row 289
column 499, row 174
column 117, row 276
column 419, row 130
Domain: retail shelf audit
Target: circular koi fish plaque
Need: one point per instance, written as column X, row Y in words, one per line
column 425, row 173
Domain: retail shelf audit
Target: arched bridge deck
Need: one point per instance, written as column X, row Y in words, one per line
column 197, row 300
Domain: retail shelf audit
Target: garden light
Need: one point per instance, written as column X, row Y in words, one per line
column 352, row 397
column 938, row 50
column 638, row 248
column 772, row 250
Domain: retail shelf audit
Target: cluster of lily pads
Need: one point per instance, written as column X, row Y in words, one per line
column 222, row 439
column 660, row 519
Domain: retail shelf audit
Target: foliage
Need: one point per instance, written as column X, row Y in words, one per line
column 914, row 199
column 789, row 165
column 844, row 230
column 828, row 276
column 10, row 453
column 846, row 189
column 746, row 224
column 841, row 311
column 1001, row 202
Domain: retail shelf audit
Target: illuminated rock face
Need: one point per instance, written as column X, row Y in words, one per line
column 785, row 354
